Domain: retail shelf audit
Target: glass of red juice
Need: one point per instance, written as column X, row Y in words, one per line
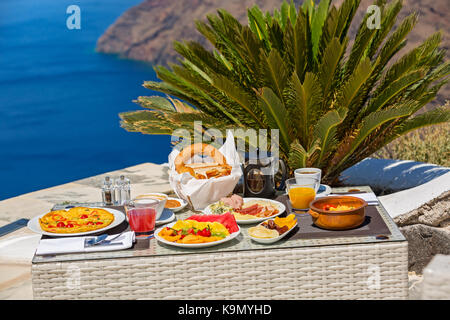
column 141, row 214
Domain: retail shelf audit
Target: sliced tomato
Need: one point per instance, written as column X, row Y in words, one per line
column 205, row 232
column 99, row 222
column 60, row 225
column 69, row 225
column 90, row 223
column 84, row 216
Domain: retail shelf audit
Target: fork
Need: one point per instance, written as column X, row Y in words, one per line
column 103, row 239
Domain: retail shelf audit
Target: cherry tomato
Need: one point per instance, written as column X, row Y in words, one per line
column 69, row 225
column 84, row 216
column 60, row 225
column 90, row 223
column 191, row 230
column 99, row 222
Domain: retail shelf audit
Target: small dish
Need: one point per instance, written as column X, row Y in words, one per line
column 182, row 202
column 324, row 190
column 338, row 220
column 271, row 240
column 144, row 198
column 166, row 216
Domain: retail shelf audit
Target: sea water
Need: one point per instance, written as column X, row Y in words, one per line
column 60, row 100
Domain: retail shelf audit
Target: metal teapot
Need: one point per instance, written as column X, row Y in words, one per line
column 263, row 176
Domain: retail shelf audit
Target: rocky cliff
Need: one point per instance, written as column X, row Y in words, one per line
column 147, row 31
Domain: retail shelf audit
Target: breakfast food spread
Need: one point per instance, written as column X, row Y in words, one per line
column 244, row 211
column 75, row 220
column 203, row 170
column 191, row 231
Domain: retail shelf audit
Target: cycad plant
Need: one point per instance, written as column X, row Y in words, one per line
column 293, row 70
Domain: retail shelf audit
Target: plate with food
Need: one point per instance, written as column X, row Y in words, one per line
column 76, row 221
column 199, row 231
column 175, row 204
column 272, row 230
column 247, row 210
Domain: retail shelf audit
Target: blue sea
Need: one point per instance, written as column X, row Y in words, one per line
column 60, row 100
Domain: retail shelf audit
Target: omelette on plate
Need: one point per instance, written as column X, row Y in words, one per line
column 75, row 220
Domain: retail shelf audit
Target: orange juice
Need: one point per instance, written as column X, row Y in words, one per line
column 301, row 197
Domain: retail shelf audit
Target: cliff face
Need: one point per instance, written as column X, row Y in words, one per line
column 147, row 31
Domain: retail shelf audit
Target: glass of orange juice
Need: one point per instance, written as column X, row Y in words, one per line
column 301, row 193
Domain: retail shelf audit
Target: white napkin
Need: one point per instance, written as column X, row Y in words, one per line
column 76, row 244
column 369, row 197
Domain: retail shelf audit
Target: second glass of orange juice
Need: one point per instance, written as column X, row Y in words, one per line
column 300, row 194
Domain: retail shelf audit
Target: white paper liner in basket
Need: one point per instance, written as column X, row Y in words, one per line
column 199, row 193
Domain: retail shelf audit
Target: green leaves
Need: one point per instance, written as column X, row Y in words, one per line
column 302, row 100
column 288, row 70
column 275, row 113
column 325, row 131
column 318, row 19
column 275, row 72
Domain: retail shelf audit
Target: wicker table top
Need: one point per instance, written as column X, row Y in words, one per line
column 240, row 243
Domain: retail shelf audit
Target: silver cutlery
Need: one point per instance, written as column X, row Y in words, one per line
column 101, row 240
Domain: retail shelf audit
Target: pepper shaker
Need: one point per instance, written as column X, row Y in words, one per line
column 108, row 192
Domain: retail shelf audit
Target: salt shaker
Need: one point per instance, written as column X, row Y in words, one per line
column 108, row 191
column 123, row 190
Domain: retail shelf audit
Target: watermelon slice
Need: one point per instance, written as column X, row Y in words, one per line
column 227, row 219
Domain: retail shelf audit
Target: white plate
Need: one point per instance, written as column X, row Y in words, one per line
column 166, row 216
column 271, row 240
column 34, row 225
column 281, row 208
column 183, row 204
column 194, row 245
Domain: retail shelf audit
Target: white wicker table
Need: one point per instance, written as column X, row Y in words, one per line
column 357, row 267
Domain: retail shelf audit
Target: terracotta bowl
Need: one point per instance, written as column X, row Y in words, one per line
column 338, row 220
